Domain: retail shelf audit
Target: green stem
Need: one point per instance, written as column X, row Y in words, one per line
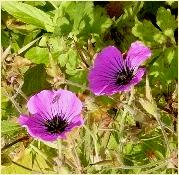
column 59, row 155
column 154, row 169
column 95, row 142
column 76, row 157
column 122, row 123
column 82, row 55
column 157, row 116
column 13, row 101
column 139, row 167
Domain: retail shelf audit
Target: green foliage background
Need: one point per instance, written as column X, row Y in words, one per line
column 51, row 45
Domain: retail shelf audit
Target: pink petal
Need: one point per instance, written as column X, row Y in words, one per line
column 67, row 103
column 40, row 103
column 137, row 54
column 138, row 76
column 35, row 127
column 107, row 63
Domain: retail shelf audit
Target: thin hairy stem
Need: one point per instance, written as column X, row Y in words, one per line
column 5, row 93
column 122, row 124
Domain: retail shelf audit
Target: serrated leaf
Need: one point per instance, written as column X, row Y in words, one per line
column 81, row 19
column 100, row 22
column 63, row 27
column 166, row 21
column 29, row 14
column 62, row 59
column 165, row 68
column 71, row 60
column 170, row 54
column 35, row 79
column 38, row 55
column 130, row 11
column 148, row 33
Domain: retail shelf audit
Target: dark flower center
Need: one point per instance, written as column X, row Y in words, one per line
column 56, row 125
column 124, row 76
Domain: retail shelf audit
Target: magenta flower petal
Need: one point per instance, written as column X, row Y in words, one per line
column 106, row 64
column 55, row 114
column 40, row 102
column 34, row 127
column 137, row 54
column 67, row 103
column 106, row 55
column 74, row 123
column 138, row 76
column 112, row 73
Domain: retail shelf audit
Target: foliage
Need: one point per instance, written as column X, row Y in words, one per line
column 52, row 45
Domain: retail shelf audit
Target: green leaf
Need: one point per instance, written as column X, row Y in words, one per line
column 5, row 40
column 36, row 3
column 127, row 19
column 80, row 19
column 165, row 68
column 150, row 107
column 170, row 54
column 166, row 21
column 9, row 127
column 38, row 55
column 35, row 79
column 29, row 14
column 39, row 165
column 146, row 32
column 7, row 108
column 62, row 59
column 70, row 60
column 171, row 69
column 79, row 78
column 100, row 22
column 69, row 16
column 63, row 27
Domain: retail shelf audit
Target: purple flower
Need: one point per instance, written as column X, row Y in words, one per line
column 53, row 114
column 113, row 72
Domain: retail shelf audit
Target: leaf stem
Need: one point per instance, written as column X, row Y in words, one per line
column 81, row 53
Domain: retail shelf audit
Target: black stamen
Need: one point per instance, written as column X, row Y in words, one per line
column 56, row 125
column 124, row 76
